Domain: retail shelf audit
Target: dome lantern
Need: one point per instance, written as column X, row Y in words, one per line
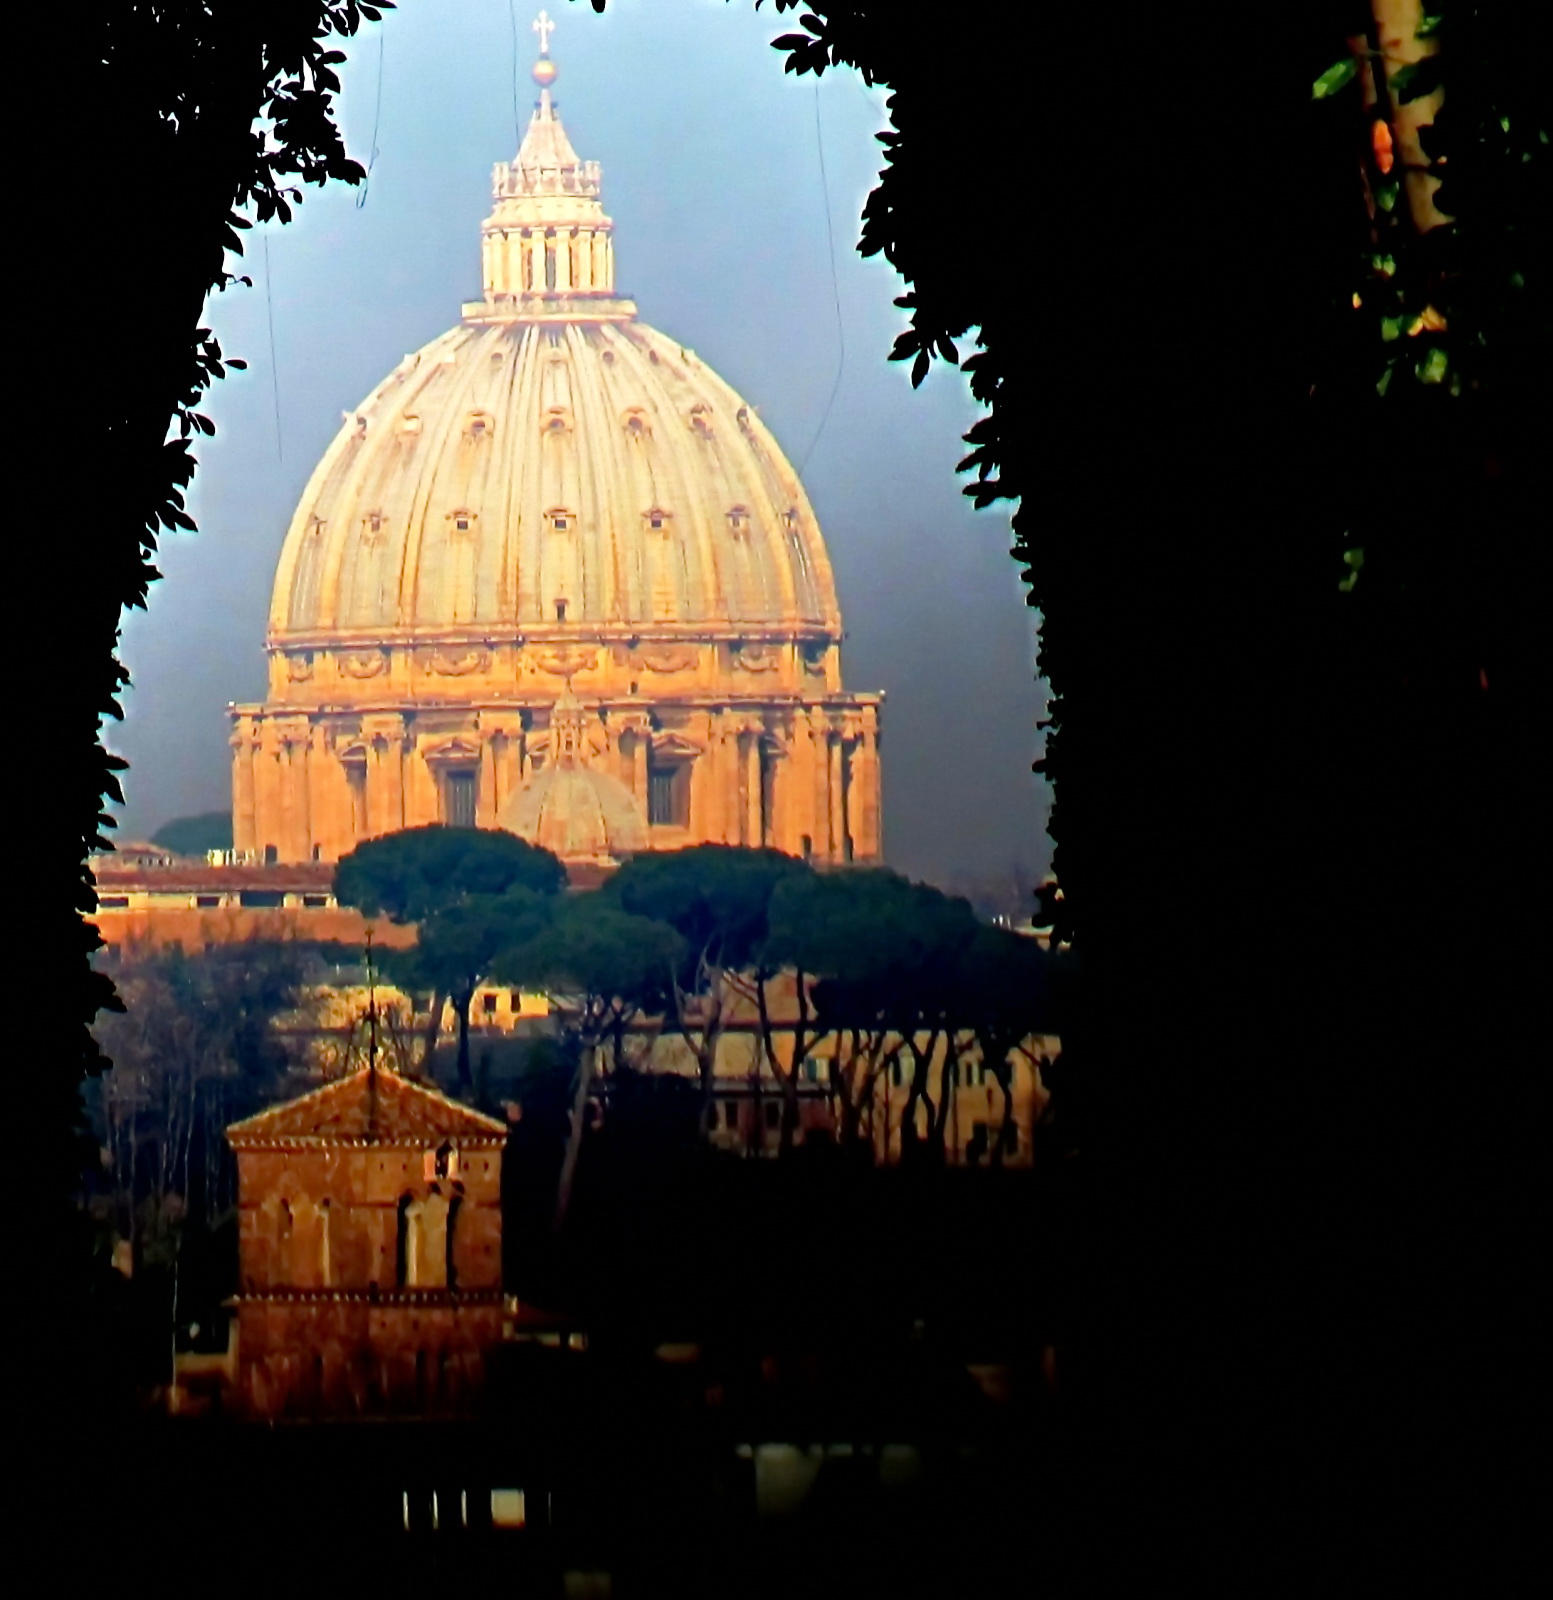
column 547, row 242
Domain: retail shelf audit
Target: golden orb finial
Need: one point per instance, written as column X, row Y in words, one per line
column 544, row 68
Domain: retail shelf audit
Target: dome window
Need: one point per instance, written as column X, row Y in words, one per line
column 658, row 519
column 742, row 417
column 479, row 425
column 637, row 426
column 462, row 520
column 560, row 610
column 372, row 525
column 739, row 522
column 560, row 520
column 558, row 421
column 409, row 425
column 701, row 421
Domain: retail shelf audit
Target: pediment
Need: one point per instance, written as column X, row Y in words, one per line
column 455, row 749
column 676, row 745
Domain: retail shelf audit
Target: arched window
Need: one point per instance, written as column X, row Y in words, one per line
column 451, row 1263
column 407, row 1243
column 325, row 1244
column 285, row 1225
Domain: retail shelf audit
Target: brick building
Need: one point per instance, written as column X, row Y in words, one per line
column 370, row 1251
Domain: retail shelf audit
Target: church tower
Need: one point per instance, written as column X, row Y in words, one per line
column 554, row 502
column 369, row 1250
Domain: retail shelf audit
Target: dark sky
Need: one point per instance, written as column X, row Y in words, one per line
column 712, row 172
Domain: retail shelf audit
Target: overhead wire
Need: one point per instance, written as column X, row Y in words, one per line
column 269, row 313
column 377, row 117
column 835, row 289
column 517, row 130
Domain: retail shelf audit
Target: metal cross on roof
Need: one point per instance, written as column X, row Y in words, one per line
column 544, row 27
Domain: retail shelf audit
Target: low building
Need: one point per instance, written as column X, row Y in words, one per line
column 369, row 1252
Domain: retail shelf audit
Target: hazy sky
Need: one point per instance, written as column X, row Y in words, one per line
column 712, row 172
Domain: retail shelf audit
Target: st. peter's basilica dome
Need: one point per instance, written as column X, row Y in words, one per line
column 555, row 505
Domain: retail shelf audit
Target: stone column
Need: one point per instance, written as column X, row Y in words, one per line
column 819, row 725
column 753, row 832
column 385, row 780
column 244, row 743
column 838, row 805
column 600, row 244
column 865, row 788
column 297, row 839
column 267, row 813
column 485, row 795
column 641, row 749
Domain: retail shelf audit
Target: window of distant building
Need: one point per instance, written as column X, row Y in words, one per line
column 206, row 902
column 458, row 797
column 488, row 1004
column 113, row 902
column 271, row 855
column 773, row 1114
column 668, row 794
column 315, row 900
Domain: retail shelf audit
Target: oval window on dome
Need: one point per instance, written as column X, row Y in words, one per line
column 636, row 425
column 409, row 424
column 479, row 425
column 558, row 420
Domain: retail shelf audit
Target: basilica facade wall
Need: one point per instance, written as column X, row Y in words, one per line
column 332, row 758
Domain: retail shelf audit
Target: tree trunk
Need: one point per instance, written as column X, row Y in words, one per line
column 461, row 1004
column 563, row 1193
column 433, row 1032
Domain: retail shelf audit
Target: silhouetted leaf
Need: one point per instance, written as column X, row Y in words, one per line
column 1334, row 78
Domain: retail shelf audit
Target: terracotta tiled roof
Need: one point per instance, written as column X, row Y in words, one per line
column 367, row 1108
column 315, row 877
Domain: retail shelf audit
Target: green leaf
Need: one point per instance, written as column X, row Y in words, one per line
column 1384, row 383
column 1354, row 558
column 1435, row 365
column 1391, row 328
column 1334, row 78
column 1386, row 196
column 1384, row 266
column 1429, row 27
column 1417, row 79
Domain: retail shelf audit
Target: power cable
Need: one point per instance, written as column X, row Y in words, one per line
column 377, row 117
column 835, row 290
column 512, row 16
column 269, row 312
